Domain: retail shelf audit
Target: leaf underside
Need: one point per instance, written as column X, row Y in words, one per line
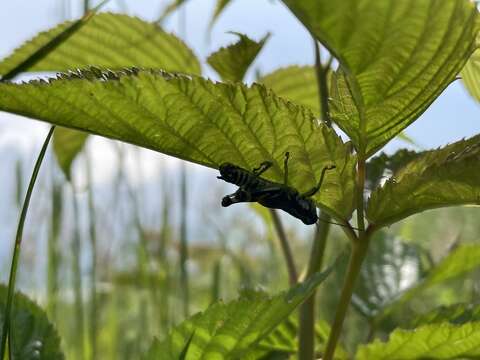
column 439, row 178
column 396, row 57
column 196, row 120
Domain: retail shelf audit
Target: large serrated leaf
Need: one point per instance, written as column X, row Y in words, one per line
column 295, row 83
column 33, row 336
column 196, row 120
column 437, row 341
column 439, row 178
column 111, row 41
column 233, row 61
column 228, row 331
column 396, row 57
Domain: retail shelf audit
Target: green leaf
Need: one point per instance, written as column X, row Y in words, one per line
column 196, row 120
column 471, row 75
column 233, row 61
column 67, row 144
column 219, row 7
column 461, row 261
column 437, row 341
column 107, row 40
column 396, row 57
column 33, row 336
column 230, row 330
column 458, row 314
column 295, row 83
column 440, row 178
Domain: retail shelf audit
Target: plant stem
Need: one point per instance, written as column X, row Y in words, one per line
column 17, row 246
column 359, row 250
column 286, row 250
column 306, row 335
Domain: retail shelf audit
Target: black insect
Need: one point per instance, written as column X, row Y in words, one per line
column 253, row 188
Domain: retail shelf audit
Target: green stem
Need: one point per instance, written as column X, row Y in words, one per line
column 17, row 246
column 359, row 250
column 286, row 250
column 306, row 335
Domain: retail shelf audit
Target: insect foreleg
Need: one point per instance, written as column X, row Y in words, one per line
column 315, row 189
column 264, row 166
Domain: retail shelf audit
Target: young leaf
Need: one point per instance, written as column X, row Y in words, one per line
column 195, row 120
column 396, row 57
column 233, row 61
column 107, row 40
column 295, row 83
column 33, row 336
column 437, row 341
column 67, row 144
column 439, row 178
column 230, row 330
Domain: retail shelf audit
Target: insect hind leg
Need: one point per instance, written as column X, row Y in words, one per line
column 315, row 189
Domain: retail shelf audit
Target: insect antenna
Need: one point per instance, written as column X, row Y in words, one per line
column 334, row 223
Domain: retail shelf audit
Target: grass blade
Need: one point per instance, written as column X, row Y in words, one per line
column 18, row 243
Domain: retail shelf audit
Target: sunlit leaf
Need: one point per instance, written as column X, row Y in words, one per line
column 437, row 341
column 295, row 83
column 111, row 41
column 233, row 61
column 396, row 57
column 440, row 178
column 196, row 120
column 34, row 337
column 230, row 330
